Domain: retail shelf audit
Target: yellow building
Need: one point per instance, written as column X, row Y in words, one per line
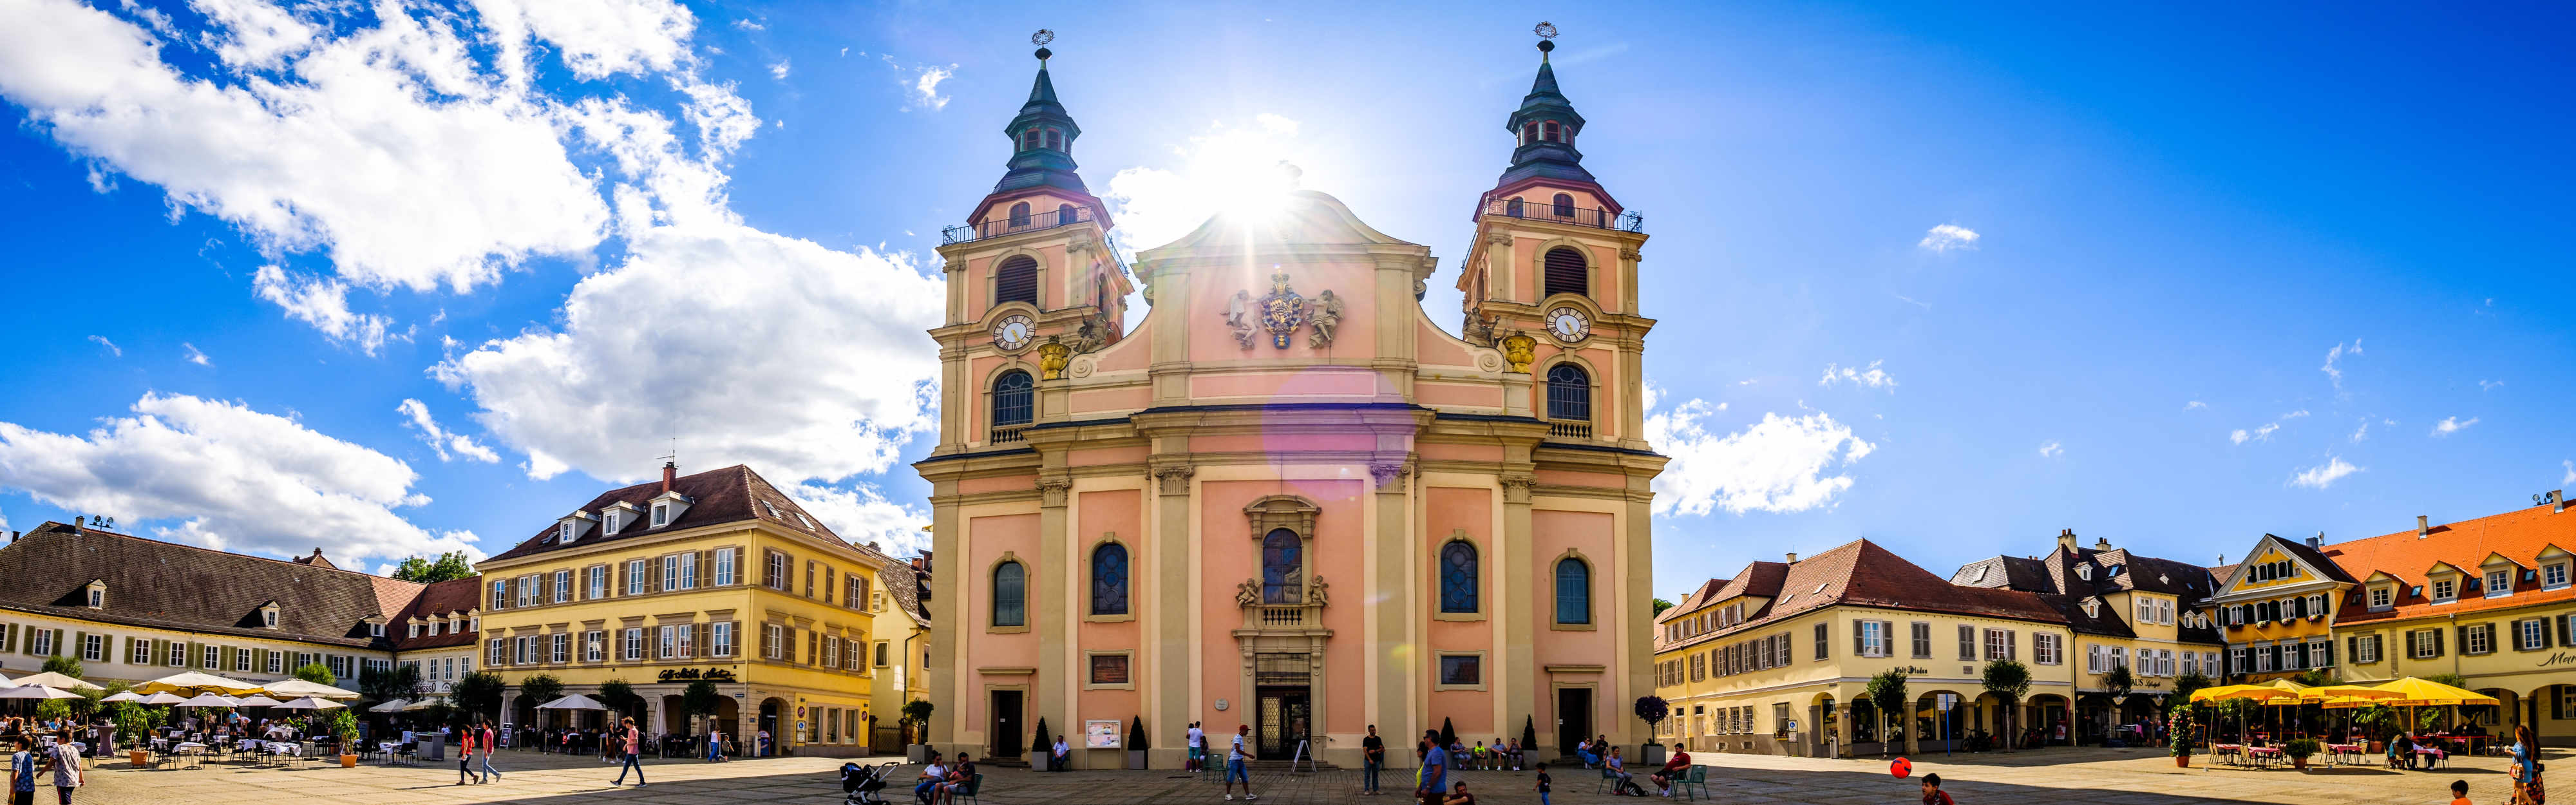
column 2277, row 609
column 2127, row 611
column 1776, row 659
column 716, row 576
column 901, row 655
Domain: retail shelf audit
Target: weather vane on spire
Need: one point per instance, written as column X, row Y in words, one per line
column 1545, row 30
column 1040, row 39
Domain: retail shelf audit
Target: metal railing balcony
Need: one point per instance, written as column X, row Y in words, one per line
column 1597, row 217
column 1568, row 429
column 1009, row 434
column 1012, row 225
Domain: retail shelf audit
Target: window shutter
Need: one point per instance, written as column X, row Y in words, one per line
column 1785, row 656
column 2565, row 623
column 1016, row 280
column 2352, row 646
column 1567, row 272
column 2328, row 659
column 2012, row 644
column 2464, row 638
column 2437, row 642
column 1860, row 642
column 2557, row 705
column 8, row 637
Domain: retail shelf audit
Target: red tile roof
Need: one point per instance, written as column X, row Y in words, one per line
column 2518, row 535
column 732, row 494
column 1860, row 573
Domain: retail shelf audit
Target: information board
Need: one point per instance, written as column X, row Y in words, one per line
column 1101, row 734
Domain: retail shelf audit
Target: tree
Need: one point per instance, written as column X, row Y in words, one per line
column 2182, row 730
column 2118, row 684
column 2009, row 681
column 1886, row 692
column 2315, row 678
column 620, row 698
column 917, row 713
column 1652, row 709
column 385, row 685
column 2187, row 684
column 478, row 694
column 449, row 566
column 344, row 726
column 700, row 698
column 316, row 673
column 1661, row 605
column 1136, row 735
column 63, row 665
column 1529, row 734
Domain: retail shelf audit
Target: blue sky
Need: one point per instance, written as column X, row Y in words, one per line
column 453, row 271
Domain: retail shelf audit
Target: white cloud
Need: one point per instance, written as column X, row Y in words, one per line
column 2051, row 449
column 194, row 356
column 2571, row 472
column 2451, row 424
column 448, row 445
column 862, row 515
column 1948, row 237
column 2298, row 414
column 1211, row 172
column 1869, row 377
column 1780, row 464
column 2264, row 433
column 597, row 38
column 2324, row 475
column 2338, row 352
column 2362, row 432
column 2490, row 385
column 385, row 147
column 778, row 70
column 750, row 347
column 748, row 25
column 2194, row 405
column 112, row 348
column 925, row 87
column 323, row 303
column 235, row 478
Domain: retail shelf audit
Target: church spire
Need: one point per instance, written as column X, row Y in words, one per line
column 1545, row 127
column 1042, row 138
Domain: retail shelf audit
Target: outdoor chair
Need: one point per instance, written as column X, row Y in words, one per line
column 1608, row 778
column 973, row 787
column 1698, row 776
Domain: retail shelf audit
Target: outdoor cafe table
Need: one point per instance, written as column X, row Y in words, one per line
column 191, row 752
column 2264, row 755
column 2221, row 752
column 2359, row 752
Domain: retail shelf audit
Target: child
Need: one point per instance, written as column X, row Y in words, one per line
column 1932, row 793
column 1543, row 781
column 1458, row 795
column 2459, row 792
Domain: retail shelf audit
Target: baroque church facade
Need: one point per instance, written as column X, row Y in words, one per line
column 1288, row 498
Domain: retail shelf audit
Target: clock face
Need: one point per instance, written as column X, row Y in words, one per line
column 1568, row 324
column 1013, row 331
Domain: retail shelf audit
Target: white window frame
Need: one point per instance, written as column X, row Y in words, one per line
column 2419, row 643
column 661, row 515
column 634, row 650
column 2043, row 649
column 689, row 570
column 594, row 646
column 1998, row 645
column 93, row 648
column 138, row 651
column 560, row 648
column 2553, row 575
column 2478, row 638
column 775, row 647
column 597, row 581
column 671, row 572
column 664, row 643
column 276, row 659
column 2530, row 635
column 724, row 567
column 688, row 633
column 2445, row 590
column 2381, row 597
column 528, row 590
column 1875, row 640
column 720, row 639
column 214, row 658
column 637, row 571
column 2499, row 583
column 563, row 586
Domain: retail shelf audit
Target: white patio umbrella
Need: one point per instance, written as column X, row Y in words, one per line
column 5, row 683
column 311, row 703
column 123, row 696
column 37, row 692
column 394, row 706
column 573, row 702
column 210, row 700
column 422, row 704
column 256, row 700
column 54, row 680
column 297, row 688
column 161, row 699
column 193, row 682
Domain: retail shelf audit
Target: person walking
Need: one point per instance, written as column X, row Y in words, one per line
column 2527, row 789
column 1235, row 760
column 1545, row 784
column 64, row 759
column 1432, row 778
column 465, row 757
column 1372, row 758
column 715, row 744
column 489, row 738
column 631, row 743
column 22, row 772
column 1198, row 748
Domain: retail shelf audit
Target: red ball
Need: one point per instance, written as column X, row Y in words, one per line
column 1901, row 768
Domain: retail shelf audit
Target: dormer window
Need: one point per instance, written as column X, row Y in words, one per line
column 2380, row 597
column 375, row 630
column 565, row 531
column 2084, row 572
column 2499, row 583
column 2553, row 575
column 608, row 523
column 2092, row 609
column 2446, row 590
column 97, row 595
column 268, row 616
column 661, row 515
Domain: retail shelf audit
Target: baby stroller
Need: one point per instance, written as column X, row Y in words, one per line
column 863, row 782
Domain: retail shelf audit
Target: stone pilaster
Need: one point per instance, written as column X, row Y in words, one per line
column 1171, row 646
column 1048, row 597
column 1519, row 622
column 1390, row 639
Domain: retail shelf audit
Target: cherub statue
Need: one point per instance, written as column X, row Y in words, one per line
column 1328, row 315
column 1315, row 591
column 1238, row 317
column 1248, row 593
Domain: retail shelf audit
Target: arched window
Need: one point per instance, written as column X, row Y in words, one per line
column 1573, row 591
column 1529, row 132
column 1564, row 206
column 1055, row 139
column 1513, row 208
column 1028, row 139
column 1011, row 400
column 1283, row 570
column 1010, row 595
column 1064, row 215
column 1569, row 393
column 1109, row 579
column 1016, row 279
column 1553, row 132
column 1566, row 270
column 1458, row 577
column 1020, row 214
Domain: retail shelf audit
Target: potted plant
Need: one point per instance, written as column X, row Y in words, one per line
column 2369, row 719
column 341, row 724
column 2299, row 750
column 1136, row 745
column 1042, row 749
column 1653, row 710
column 916, row 713
column 2182, row 735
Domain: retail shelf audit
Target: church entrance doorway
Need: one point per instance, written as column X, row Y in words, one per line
column 1573, row 718
column 1285, row 715
column 1006, row 723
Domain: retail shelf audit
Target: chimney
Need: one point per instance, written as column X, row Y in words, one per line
column 2066, row 539
column 2101, row 544
column 2557, row 501
column 2318, row 541
column 2423, row 526
column 670, row 472
column 1793, row 557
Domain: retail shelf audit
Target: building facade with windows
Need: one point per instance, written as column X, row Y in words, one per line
column 2127, row 611
column 132, row 609
column 900, row 655
column 713, row 576
column 436, row 633
column 1287, row 498
column 1777, row 659
column 2276, row 609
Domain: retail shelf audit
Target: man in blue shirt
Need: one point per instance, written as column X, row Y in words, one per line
column 1431, row 784
column 22, row 773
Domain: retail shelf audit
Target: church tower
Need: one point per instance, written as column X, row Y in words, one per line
column 1551, row 278
column 1032, row 280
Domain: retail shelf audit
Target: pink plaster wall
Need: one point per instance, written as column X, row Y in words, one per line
column 988, row 539
column 1438, row 451
column 1552, row 533
column 1228, row 554
column 1601, row 480
column 1129, row 353
column 1291, row 382
column 1122, row 398
column 1436, row 347
column 1006, row 483
column 1106, row 455
column 1435, row 394
column 1282, row 443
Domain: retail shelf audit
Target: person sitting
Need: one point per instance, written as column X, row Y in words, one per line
column 1482, row 757
column 1458, row 795
column 1061, row 756
column 1627, row 785
column 2401, row 751
column 932, row 774
column 1590, row 758
column 1674, row 769
column 959, row 777
column 1512, row 755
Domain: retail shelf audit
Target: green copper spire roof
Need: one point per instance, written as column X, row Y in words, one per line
column 1540, row 154
column 1042, row 140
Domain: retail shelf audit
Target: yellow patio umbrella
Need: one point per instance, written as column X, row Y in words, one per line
column 2420, row 692
column 194, row 683
column 2341, row 697
column 2256, row 693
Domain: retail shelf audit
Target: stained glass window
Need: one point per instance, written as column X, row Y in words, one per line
column 1109, row 580
column 1573, row 591
column 1010, row 595
column 1458, row 577
column 1282, row 568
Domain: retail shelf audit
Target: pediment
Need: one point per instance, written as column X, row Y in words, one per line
column 1304, row 217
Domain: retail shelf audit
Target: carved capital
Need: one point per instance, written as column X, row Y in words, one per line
column 1498, row 239
column 1390, row 475
column 1175, row 479
column 1631, row 255
column 1516, row 487
column 1052, row 489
